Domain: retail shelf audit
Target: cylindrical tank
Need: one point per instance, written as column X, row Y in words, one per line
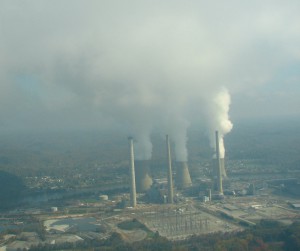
column 54, row 209
column 103, row 197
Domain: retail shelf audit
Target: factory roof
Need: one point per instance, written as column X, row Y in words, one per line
column 296, row 205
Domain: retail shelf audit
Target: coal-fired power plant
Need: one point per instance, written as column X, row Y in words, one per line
column 170, row 174
column 183, row 178
column 161, row 191
column 219, row 172
column 142, row 175
column 132, row 174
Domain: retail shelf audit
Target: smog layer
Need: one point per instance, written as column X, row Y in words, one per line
column 139, row 66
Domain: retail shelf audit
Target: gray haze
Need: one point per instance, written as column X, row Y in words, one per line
column 141, row 65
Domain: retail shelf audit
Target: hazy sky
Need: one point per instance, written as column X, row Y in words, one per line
column 97, row 63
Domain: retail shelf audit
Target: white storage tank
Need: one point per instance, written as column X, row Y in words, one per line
column 103, row 197
column 54, row 209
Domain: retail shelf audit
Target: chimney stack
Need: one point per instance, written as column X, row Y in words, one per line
column 132, row 174
column 223, row 171
column 219, row 172
column 170, row 175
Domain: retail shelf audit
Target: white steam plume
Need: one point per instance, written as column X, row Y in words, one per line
column 138, row 65
column 178, row 133
column 143, row 149
column 218, row 118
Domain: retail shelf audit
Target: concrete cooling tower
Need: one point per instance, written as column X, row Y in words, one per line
column 142, row 177
column 183, row 178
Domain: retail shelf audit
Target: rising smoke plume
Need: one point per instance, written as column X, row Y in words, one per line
column 138, row 65
column 218, row 118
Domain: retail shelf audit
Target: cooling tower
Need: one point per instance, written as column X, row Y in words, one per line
column 219, row 174
column 142, row 177
column 183, row 178
column 170, row 175
column 132, row 174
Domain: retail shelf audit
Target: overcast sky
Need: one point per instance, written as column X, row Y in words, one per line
column 94, row 63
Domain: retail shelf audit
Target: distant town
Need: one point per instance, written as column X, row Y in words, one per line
column 73, row 191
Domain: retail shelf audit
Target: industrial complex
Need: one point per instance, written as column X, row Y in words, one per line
column 175, row 206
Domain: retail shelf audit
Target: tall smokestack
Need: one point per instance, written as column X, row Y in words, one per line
column 219, row 174
column 170, row 175
column 183, row 178
column 223, row 171
column 216, row 167
column 143, row 179
column 132, row 174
